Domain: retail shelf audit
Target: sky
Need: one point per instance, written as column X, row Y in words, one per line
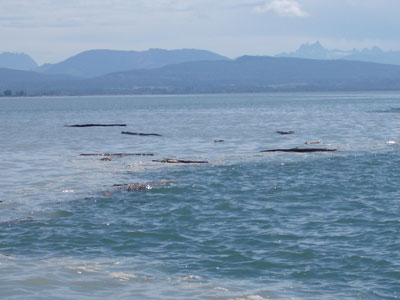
column 53, row 30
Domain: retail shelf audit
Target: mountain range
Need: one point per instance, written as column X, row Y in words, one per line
column 94, row 63
column 317, row 51
column 245, row 74
column 157, row 71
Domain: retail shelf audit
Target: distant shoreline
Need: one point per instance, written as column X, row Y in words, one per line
column 197, row 94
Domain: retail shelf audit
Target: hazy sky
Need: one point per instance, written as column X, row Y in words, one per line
column 52, row 30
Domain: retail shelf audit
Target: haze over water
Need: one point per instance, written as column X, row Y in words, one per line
column 248, row 225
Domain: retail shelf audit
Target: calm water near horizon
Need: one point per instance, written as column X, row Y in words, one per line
column 247, row 225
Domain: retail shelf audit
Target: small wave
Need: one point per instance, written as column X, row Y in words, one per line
column 249, row 297
column 6, row 256
column 121, row 276
column 389, row 110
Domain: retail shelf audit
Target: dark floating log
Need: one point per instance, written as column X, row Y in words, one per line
column 301, row 150
column 117, row 154
column 134, row 187
column 96, row 125
column 180, row 161
column 285, row 132
column 106, row 159
column 141, row 134
column 219, row 141
column 142, row 186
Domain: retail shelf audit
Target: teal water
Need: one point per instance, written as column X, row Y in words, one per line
column 248, row 225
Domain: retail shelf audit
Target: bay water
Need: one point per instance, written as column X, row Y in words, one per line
column 246, row 225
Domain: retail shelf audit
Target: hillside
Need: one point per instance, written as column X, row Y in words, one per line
column 17, row 61
column 100, row 62
column 33, row 83
column 245, row 74
column 253, row 74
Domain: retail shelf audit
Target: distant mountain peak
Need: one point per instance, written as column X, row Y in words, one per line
column 316, row 46
column 17, row 61
column 373, row 50
column 310, row 51
column 317, row 51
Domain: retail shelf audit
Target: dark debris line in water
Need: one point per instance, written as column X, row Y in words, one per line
column 116, row 154
column 96, row 125
column 135, row 187
column 180, row 161
column 140, row 134
column 285, row 132
column 301, row 150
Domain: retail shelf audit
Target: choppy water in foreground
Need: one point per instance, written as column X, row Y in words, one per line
column 248, row 225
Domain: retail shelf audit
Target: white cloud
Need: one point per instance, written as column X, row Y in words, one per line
column 286, row 8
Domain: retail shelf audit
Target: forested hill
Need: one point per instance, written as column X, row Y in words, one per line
column 17, row 61
column 253, row 74
column 245, row 74
column 100, row 62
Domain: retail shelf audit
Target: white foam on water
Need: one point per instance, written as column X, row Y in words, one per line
column 91, row 275
column 81, row 269
column 121, row 276
column 249, row 297
column 101, row 268
column 218, row 288
column 192, row 277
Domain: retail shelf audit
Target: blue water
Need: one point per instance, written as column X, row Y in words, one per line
column 247, row 225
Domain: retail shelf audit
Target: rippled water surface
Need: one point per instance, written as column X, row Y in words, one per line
column 247, row 225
